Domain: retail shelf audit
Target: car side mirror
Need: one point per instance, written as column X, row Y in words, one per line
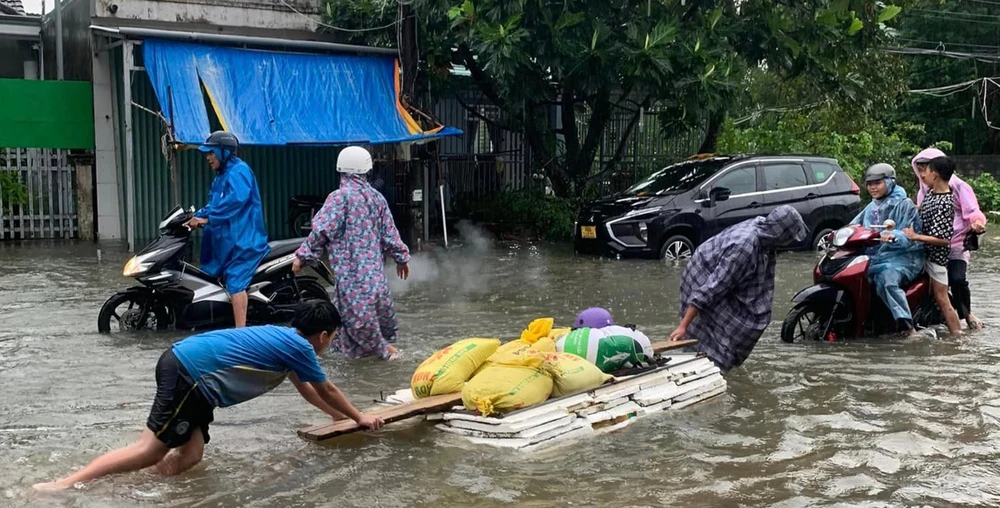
column 715, row 195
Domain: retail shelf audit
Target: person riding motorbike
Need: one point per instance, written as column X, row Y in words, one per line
column 355, row 228
column 898, row 260
column 235, row 240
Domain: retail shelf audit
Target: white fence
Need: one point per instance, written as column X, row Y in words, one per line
column 37, row 196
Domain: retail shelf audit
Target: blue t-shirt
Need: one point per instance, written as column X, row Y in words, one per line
column 233, row 366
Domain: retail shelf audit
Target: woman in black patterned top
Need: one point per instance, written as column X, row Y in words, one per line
column 937, row 214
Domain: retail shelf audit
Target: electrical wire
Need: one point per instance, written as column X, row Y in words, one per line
column 331, row 27
column 946, row 44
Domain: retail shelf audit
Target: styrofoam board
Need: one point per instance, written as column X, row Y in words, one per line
column 596, row 408
column 564, row 439
column 571, row 430
column 690, row 368
column 656, row 394
column 615, row 403
column 703, row 397
column 484, row 424
column 702, row 385
column 639, row 379
column 611, row 414
column 617, row 426
column 524, row 434
column 655, row 408
column 699, row 375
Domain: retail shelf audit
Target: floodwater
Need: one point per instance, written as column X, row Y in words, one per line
column 844, row 424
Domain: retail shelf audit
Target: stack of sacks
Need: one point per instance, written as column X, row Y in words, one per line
column 528, row 371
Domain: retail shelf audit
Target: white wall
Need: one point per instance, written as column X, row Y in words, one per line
column 109, row 219
column 270, row 14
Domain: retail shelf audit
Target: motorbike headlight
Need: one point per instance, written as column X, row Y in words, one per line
column 138, row 265
column 841, row 236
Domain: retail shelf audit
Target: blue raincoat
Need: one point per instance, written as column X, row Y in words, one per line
column 235, row 240
column 894, row 265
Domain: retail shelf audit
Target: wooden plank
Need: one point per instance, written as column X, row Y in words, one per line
column 435, row 404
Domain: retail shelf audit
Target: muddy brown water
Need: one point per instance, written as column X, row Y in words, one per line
column 869, row 423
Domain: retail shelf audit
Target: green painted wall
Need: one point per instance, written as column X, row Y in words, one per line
column 46, row 114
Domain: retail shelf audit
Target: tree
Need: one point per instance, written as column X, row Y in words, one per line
column 946, row 31
column 591, row 60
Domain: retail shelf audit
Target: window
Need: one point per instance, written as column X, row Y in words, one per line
column 738, row 181
column 784, row 176
column 821, row 171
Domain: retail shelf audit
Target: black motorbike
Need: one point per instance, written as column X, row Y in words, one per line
column 173, row 292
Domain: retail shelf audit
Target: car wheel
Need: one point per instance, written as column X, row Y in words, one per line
column 820, row 242
column 677, row 248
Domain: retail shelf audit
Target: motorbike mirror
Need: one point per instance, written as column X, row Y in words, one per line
column 191, row 209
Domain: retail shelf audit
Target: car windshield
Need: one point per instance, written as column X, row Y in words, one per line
column 677, row 178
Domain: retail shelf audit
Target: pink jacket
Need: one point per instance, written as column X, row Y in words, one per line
column 966, row 205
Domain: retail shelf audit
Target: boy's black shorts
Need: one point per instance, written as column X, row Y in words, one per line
column 179, row 407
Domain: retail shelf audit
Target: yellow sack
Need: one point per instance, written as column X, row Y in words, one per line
column 572, row 374
column 514, row 382
column 446, row 370
column 515, row 347
column 559, row 332
column 537, row 329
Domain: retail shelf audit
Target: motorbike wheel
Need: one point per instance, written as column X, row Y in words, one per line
column 300, row 224
column 804, row 322
column 123, row 312
column 312, row 290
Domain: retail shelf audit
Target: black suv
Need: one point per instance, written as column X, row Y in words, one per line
column 672, row 211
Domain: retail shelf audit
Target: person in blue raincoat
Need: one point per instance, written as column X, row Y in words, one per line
column 898, row 261
column 235, row 240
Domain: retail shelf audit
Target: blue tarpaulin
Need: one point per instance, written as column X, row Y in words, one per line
column 276, row 98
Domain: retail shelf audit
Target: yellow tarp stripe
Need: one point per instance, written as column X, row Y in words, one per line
column 411, row 124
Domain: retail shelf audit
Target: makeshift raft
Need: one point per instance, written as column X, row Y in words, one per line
column 684, row 380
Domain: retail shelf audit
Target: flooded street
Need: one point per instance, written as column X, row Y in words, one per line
column 861, row 424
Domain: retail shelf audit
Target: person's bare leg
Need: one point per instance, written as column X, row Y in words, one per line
column 239, row 301
column 143, row 453
column 183, row 458
column 944, row 303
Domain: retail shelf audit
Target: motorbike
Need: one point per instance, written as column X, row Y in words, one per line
column 842, row 303
column 173, row 292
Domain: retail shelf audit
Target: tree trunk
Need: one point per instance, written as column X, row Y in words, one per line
column 715, row 121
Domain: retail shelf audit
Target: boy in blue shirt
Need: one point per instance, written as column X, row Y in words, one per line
column 219, row 369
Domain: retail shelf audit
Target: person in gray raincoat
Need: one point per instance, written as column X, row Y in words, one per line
column 728, row 286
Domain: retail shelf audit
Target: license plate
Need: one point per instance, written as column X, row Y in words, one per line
column 589, row 232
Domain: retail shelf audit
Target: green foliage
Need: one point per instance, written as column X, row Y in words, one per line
column 814, row 134
column 688, row 59
column 526, row 212
column 987, row 192
column 12, row 190
column 963, row 27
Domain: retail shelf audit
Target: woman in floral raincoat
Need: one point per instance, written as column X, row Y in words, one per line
column 355, row 229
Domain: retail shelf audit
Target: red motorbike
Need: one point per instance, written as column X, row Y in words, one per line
column 842, row 303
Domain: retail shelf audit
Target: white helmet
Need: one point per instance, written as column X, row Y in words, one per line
column 354, row 160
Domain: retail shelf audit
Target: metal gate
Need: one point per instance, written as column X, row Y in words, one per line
column 37, row 195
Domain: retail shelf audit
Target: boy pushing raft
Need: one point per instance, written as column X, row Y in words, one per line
column 219, row 369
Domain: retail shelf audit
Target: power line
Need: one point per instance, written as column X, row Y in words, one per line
column 946, row 44
column 982, row 57
column 331, row 27
column 959, row 13
column 946, row 18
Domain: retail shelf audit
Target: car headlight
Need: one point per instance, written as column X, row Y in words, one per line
column 138, row 265
column 841, row 236
column 643, row 232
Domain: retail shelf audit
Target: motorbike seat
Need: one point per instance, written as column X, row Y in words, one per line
column 194, row 270
column 282, row 248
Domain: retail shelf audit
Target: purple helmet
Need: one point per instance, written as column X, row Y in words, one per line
column 594, row 317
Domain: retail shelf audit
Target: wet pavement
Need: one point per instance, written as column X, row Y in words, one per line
column 869, row 423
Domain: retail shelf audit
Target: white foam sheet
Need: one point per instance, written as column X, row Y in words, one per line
column 702, row 397
column 513, row 429
column 700, row 386
column 611, row 414
column 575, row 428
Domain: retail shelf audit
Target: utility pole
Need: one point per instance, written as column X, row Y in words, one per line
column 59, row 41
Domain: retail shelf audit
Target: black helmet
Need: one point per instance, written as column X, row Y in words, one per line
column 222, row 139
column 878, row 172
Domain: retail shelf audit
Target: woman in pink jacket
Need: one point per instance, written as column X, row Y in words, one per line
column 968, row 218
